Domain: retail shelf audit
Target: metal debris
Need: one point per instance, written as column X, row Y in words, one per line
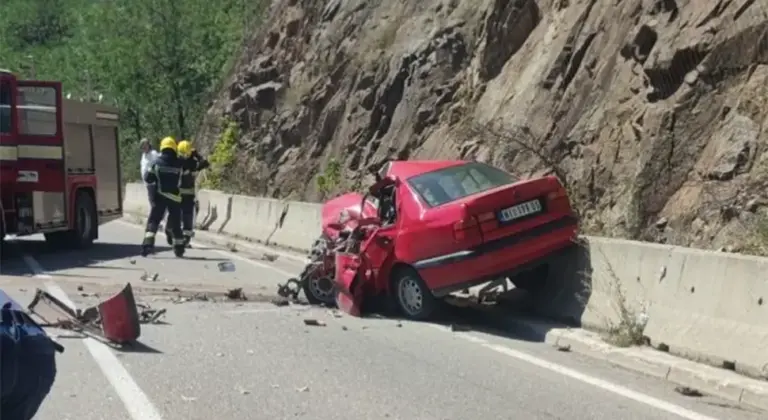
column 688, row 392
column 280, row 302
column 565, row 348
column 226, row 266
column 202, row 297
column 303, row 389
column 147, row 277
column 269, row 257
column 290, row 289
column 314, row 322
column 148, row 315
column 80, row 288
column 236, row 294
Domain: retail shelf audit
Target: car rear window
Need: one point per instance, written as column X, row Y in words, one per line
column 456, row 182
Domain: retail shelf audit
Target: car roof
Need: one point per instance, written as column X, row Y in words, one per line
column 405, row 169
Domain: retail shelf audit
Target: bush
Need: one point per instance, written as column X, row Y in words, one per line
column 222, row 156
column 330, row 179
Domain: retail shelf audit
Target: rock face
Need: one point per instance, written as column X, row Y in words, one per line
column 655, row 112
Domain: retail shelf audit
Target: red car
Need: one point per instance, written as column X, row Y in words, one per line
column 445, row 226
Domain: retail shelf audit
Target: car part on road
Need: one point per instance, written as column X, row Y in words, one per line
column 116, row 320
column 226, row 266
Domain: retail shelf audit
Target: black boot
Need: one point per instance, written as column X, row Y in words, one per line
column 178, row 250
column 147, row 247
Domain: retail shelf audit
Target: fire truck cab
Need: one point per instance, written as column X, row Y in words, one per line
column 59, row 163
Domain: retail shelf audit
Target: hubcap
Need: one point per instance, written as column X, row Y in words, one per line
column 84, row 222
column 411, row 296
column 321, row 288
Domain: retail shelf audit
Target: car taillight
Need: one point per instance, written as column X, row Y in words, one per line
column 558, row 193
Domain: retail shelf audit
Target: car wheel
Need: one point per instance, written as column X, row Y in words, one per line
column 413, row 297
column 320, row 291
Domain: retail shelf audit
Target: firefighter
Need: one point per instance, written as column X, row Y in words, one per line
column 193, row 163
column 165, row 173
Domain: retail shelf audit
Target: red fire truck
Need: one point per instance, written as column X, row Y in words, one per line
column 59, row 163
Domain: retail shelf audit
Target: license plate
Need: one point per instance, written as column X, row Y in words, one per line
column 520, row 210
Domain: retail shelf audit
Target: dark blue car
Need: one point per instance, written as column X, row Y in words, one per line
column 27, row 362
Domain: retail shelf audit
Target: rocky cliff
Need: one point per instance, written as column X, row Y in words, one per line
column 653, row 111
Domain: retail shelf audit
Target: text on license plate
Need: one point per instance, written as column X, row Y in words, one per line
column 520, row 210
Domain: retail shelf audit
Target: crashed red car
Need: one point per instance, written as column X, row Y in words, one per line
column 427, row 229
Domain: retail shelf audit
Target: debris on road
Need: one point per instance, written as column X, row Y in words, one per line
column 188, row 399
column 303, row 389
column 566, row 348
column 335, row 313
column 200, row 297
column 226, row 266
column 133, row 262
column 269, row 257
column 688, row 392
column 314, row 322
column 148, row 315
column 236, row 294
column 281, row 302
column 147, row 277
column 290, row 290
column 115, row 320
column 80, row 288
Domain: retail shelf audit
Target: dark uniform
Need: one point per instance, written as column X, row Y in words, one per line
column 27, row 362
column 165, row 173
column 191, row 166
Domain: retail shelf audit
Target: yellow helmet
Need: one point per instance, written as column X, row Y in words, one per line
column 184, row 149
column 168, row 143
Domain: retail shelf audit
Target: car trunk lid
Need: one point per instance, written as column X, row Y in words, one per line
column 517, row 207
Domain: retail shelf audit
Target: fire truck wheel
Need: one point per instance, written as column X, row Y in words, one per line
column 411, row 294
column 85, row 221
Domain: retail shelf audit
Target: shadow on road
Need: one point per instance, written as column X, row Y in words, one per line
column 72, row 258
column 137, row 347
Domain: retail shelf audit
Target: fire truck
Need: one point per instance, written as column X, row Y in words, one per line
column 59, row 163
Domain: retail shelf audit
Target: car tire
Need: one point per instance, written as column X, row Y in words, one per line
column 412, row 296
column 316, row 289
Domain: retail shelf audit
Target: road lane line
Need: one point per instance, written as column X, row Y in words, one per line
column 136, row 402
column 229, row 255
column 597, row 382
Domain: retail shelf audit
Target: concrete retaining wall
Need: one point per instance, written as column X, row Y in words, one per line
column 705, row 305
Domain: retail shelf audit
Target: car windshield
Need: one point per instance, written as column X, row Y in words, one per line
column 456, row 182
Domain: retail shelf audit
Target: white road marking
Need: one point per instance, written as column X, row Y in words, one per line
column 591, row 380
column 135, row 400
column 227, row 254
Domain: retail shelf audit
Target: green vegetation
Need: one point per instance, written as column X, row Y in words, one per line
column 330, row 179
column 222, row 157
column 157, row 60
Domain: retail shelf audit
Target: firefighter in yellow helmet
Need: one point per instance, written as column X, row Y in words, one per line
column 165, row 174
column 192, row 163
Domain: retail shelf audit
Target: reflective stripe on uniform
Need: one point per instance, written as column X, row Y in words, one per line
column 189, row 233
column 149, row 234
column 179, row 242
column 167, row 169
column 187, row 191
column 173, row 197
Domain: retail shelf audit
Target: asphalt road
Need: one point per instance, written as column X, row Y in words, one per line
column 221, row 359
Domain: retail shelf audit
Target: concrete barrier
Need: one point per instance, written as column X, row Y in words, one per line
column 215, row 210
column 704, row 305
column 135, row 199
